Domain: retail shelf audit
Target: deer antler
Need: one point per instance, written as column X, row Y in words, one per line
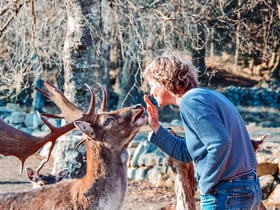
column 69, row 112
column 22, row 145
column 104, row 102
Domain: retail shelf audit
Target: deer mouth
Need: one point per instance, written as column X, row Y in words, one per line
column 139, row 118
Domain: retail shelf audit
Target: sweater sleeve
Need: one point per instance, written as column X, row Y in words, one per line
column 172, row 145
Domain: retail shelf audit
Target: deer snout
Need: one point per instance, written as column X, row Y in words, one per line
column 138, row 106
column 138, row 111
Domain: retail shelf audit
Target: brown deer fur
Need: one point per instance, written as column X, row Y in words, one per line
column 184, row 181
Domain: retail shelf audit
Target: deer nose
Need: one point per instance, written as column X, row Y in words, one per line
column 138, row 106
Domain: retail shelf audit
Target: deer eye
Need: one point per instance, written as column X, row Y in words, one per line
column 107, row 121
column 41, row 184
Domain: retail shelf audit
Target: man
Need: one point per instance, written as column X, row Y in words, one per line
column 217, row 140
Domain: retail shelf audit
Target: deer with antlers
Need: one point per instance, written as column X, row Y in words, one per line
column 106, row 135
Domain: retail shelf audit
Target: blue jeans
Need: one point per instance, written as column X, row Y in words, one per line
column 242, row 193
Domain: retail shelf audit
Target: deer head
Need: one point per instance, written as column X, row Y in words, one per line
column 116, row 128
column 42, row 180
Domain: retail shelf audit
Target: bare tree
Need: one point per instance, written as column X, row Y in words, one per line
column 31, row 39
column 83, row 48
column 85, row 51
column 138, row 30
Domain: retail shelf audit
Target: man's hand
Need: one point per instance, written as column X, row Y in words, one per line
column 153, row 114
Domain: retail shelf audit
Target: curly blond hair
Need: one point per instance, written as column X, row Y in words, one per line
column 171, row 71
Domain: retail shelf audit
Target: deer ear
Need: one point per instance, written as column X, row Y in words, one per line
column 30, row 174
column 63, row 173
column 85, row 128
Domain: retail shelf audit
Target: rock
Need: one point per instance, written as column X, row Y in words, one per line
column 176, row 122
column 66, row 156
column 32, row 121
column 269, row 152
column 266, row 182
column 143, row 148
column 12, row 106
column 26, row 130
column 154, row 175
column 151, row 159
column 5, row 112
column 17, row 117
column 274, row 197
column 44, row 151
column 137, row 174
column 130, row 155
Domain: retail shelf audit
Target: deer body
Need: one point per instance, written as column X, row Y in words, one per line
column 184, row 184
column 103, row 186
column 184, row 181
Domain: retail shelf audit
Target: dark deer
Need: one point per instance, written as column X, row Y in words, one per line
column 106, row 135
column 40, row 180
column 184, row 183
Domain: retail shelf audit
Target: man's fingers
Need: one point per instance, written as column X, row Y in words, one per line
column 147, row 100
column 150, row 105
column 149, row 110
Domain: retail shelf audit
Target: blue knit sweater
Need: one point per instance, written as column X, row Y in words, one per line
column 216, row 138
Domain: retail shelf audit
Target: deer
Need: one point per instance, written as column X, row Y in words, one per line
column 106, row 136
column 184, row 183
column 184, row 179
column 40, row 180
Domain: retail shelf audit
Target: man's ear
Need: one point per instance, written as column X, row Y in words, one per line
column 85, row 128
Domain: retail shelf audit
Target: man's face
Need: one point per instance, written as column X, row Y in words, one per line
column 160, row 93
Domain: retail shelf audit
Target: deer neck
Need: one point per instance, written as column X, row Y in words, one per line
column 105, row 167
column 184, row 185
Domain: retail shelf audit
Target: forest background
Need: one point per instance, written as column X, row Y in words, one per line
column 73, row 42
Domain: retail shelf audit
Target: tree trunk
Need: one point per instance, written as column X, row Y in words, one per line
column 82, row 49
column 198, row 50
column 129, row 83
column 275, row 71
column 237, row 39
column 85, row 61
